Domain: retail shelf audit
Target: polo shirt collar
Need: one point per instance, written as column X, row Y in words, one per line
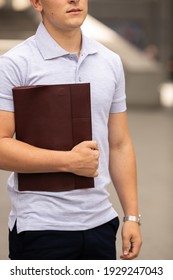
column 88, row 46
column 50, row 49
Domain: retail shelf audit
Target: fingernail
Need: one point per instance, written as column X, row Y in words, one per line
column 125, row 253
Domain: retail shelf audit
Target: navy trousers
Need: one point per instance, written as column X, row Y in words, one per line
column 94, row 244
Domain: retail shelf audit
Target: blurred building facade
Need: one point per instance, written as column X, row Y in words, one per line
column 146, row 23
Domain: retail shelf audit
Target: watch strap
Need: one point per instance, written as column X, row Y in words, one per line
column 136, row 219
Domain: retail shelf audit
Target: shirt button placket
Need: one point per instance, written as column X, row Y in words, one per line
column 78, row 76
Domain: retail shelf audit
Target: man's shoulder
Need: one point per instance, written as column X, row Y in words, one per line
column 105, row 54
column 22, row 51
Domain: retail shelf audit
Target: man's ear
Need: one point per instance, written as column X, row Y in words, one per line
column 37, row 5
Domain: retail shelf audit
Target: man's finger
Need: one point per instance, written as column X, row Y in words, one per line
column 92, row 145
column 126, row 247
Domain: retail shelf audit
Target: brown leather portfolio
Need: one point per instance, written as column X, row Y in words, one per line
column 55, row 117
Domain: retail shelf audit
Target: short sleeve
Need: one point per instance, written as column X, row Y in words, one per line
column 119, row 99
column 9, row 77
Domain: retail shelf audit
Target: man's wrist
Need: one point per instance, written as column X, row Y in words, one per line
column 136, row 219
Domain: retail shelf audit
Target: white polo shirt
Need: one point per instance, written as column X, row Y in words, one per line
column 40, row 60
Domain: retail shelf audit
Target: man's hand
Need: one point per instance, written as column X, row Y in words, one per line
column 131, row 240
column 85, row 159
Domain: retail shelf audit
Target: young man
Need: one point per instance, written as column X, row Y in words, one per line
column 79, row 224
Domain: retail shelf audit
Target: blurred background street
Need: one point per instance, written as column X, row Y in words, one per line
column 140, row 31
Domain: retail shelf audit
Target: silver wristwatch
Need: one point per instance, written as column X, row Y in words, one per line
column 136, row 219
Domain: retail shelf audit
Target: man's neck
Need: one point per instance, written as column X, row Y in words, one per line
column 69, row 40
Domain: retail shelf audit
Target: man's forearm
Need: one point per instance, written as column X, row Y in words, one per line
column 23, row 158
column 124, row 178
